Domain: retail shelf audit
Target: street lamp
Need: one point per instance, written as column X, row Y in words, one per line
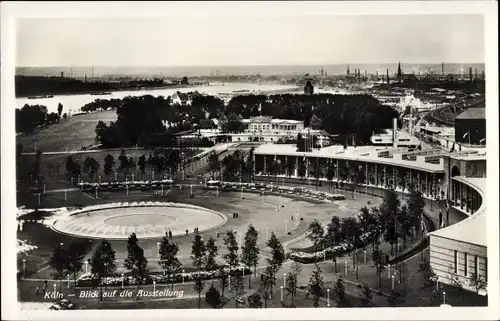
column 392, row 282
column 154, row 288
column 87, row 267
column 364, row 252
column 158, row 248
column 183, row 271
column 328, row 297
column 388, row 271
column 24, row 268
column 67, row 275
column 281, row 287
column 123, row 280
column 444, row 298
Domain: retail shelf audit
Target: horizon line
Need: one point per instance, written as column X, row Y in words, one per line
column 251, row 65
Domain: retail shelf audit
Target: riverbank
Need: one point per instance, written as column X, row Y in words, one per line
column 97, row 92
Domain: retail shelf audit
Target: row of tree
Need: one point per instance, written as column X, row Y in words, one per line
column 139, row 117
column 397, row 221
column 31, row 117
column 159, row 160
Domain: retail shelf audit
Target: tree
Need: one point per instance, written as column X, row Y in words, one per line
column 416, row 208
column 266, row 283
column 238, row 287
column 75, row 257
column 231, row 256
column 109, row 163
column 378, row 261
column 136, row 262
column 339, row 290
column 277, row 255
column 477, row 282
column 198, row 287
column 198, row 251
column 142, row 164
column 168, row 258
column 366, row 295
column 123, row 159
column 213, row 162
column 184, row 81
column 291, row 286
column 223, row 275
column 103, row 262
column 250, row 251
column 315, row 122
column 213, row 298
column 315, row 233
column 212, row 250
column 59, row 109
column 390, row 209
column 332, row 231
column 255, row 301
column 315, row 286
column 59, row 262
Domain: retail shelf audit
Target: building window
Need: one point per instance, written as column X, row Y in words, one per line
column 455, row 265
column 465, row 264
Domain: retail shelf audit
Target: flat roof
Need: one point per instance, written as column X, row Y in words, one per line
column 472, row 229
column 361, row 153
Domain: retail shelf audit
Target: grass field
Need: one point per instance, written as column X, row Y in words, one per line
column 71, row 134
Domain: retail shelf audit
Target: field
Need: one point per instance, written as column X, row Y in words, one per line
column 70, row 134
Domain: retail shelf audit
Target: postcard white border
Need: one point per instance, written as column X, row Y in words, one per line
column 15, row 10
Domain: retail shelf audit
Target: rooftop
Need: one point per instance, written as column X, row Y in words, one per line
column 361, row 153
column 472, row 113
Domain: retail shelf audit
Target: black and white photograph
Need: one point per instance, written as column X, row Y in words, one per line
column 283, row 163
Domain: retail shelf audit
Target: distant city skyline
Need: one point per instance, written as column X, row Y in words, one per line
column 228, row 41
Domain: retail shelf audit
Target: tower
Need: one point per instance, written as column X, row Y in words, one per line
column 387, row 76
column 347, row 70
column 470, row 73
column 442, row 68
column 399, row 71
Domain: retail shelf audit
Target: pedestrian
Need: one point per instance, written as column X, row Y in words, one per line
column 170, row 234
column 187, row 232
column 37, row 289
column 291, row 217
column 218, row 234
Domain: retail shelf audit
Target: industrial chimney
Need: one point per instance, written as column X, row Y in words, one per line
column 470, row 73
column 395, row 133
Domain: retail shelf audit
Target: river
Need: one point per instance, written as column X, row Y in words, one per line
column 73, row 103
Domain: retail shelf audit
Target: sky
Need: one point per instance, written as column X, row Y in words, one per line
column 234, row 40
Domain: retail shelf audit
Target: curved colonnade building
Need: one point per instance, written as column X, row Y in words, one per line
column 458, row 248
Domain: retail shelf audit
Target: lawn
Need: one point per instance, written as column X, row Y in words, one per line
column 71, row 134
